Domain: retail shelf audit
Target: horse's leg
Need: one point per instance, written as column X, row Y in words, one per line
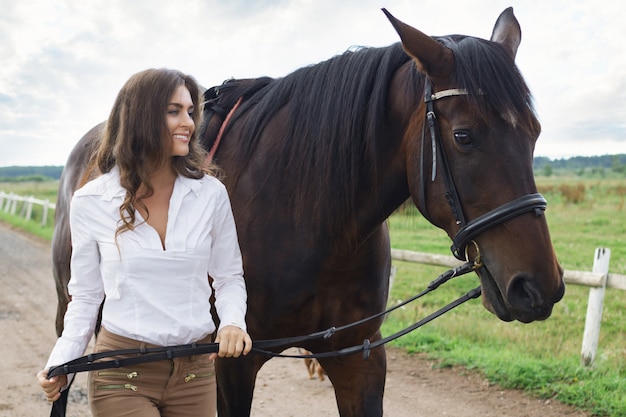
column 61, row 252
column 62, row 301
column 235, row 384
column 359, row 383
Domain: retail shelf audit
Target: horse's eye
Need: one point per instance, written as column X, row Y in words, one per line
column 463, row 138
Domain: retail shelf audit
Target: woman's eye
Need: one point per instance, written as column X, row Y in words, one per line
column 463, row 138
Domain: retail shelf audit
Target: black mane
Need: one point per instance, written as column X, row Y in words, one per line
column 335, row 113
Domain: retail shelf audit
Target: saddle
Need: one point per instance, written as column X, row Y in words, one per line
column 220, row 102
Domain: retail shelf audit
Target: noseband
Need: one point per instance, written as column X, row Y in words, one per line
column 468, row 230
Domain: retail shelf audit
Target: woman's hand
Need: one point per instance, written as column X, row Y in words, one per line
column 51, row 387
column 233, row 342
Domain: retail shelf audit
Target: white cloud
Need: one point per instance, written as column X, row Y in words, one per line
column 63, row 61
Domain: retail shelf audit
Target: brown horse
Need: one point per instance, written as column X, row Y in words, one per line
column 317, row 160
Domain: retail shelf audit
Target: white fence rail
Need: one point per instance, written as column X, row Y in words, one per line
column 598, row 279
column 10, row 202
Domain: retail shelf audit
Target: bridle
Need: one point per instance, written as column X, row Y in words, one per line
column 469, row 230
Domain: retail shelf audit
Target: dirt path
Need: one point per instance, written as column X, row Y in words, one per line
column 27, row 309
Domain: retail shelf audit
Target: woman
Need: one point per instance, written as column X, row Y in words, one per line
column 145, row 234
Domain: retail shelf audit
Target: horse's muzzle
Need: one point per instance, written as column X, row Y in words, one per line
column 523, row 299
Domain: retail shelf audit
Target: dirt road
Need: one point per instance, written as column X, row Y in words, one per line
column 27, row 309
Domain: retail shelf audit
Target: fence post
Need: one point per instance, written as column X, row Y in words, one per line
column 29, row 207
column 591, row 335
column 13, row 204
column 44, row 214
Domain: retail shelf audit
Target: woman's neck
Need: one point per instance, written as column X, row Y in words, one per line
column 161, row 180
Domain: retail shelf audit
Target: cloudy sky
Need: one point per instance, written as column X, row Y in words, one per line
column 62, row 62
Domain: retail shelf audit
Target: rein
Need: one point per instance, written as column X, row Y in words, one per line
column 469, row 230
column 93, row 361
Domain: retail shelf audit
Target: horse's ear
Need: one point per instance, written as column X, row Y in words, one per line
column 507, row 31
column 432, row 58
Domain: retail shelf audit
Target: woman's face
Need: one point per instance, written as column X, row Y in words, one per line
column 180, row 123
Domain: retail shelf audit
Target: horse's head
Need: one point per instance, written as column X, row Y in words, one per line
column 482, row 130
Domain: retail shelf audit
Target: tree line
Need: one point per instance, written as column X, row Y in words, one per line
column 582, row 165
column 541, row 164
column 30, row 173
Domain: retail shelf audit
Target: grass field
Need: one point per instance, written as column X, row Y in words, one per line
column 46, row 190
column 542, row 358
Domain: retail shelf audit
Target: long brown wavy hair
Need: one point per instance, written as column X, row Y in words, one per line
column 133, row 139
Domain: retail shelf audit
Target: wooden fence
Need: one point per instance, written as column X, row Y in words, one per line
column 598, row 279
column 10, row 203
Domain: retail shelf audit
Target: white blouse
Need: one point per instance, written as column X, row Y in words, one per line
column 155, row 295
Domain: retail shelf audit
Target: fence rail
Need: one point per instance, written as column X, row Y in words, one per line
column 10, row 202
column 599, row 279
column 584, row 278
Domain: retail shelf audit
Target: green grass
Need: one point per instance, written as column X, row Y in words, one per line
column 542, row 358
column 598, row 220
column 29, row 226
column 38, row 189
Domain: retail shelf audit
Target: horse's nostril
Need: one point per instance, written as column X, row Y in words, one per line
column 524, row 294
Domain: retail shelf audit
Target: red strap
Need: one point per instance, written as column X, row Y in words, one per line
column 221, row 131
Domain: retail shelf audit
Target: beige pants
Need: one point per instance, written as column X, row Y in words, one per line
column 181, row 387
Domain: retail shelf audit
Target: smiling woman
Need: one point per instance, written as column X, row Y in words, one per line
column 135, row 253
